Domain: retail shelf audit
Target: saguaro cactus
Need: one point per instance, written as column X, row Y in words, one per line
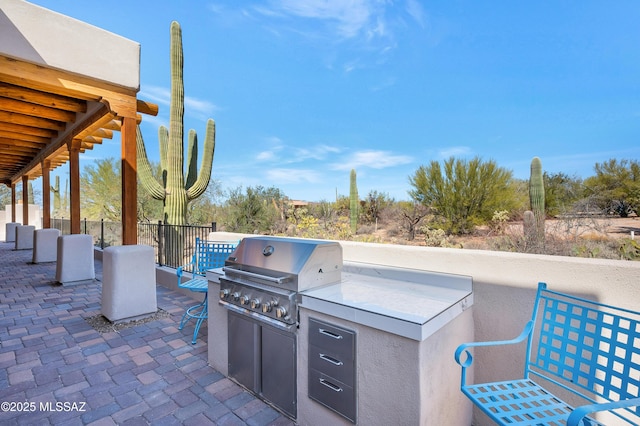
column 60, row 205
column 177, row 190
column 354, row 203
column 56, row 196
column 536, row 201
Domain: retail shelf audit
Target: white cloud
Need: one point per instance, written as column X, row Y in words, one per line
column 286, row 176
column 280, row 152
column 275, row 145
column 266, row 156
column 348, row 18
column 318, row 152
column 159, row 95
column 373, row 159
column 414, row 8
column 199, row 108
column 455, row 151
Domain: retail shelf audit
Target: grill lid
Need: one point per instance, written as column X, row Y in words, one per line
column 308, row 263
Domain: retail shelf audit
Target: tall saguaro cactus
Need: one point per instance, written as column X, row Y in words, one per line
column 535, row 228
column 177, row 190
column 56, row 196
column 353, row 201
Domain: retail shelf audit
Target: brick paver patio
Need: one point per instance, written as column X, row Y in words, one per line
column 57, row 369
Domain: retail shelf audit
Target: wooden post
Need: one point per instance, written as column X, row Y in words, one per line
column 74, row 184
column 13, row 202
column 46, row 194
column 129, row 182
column 25, row 200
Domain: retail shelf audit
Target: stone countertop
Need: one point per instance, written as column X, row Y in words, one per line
column 410, row 303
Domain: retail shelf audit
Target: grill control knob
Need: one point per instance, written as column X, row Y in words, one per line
column 224, row 294
column 244, row 300
column 266, row 307
column 255, row 303
column 236, row 296
column 281, row 312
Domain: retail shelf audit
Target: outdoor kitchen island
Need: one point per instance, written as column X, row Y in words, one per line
column 373, row 348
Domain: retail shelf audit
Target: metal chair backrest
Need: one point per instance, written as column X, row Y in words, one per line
column 584, row 345
column 211, row 254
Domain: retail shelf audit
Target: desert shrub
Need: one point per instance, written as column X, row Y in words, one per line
column 394, row 229
column 437, row 238
column 629, row 249
column 367, row 238
column 498, row 222
column 366, row 229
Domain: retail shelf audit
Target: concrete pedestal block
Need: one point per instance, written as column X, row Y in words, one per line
column 10, row 229
column 75, row 259
column 128, row 282
column 45, row 245
column 24, row 237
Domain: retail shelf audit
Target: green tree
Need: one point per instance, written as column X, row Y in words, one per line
column 252, row 211
column 204, row 209
column 410, row 215
column 101, row 193
column 463, row 193
column 5, row 196
column 615, row 186
column 561, row 193
column 325, row 212
column 374, row 204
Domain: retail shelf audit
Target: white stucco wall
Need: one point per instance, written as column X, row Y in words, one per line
column 35, row 218
column 504, row 290
column 26, row 33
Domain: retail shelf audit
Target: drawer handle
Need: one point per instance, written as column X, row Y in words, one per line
column 331, row 359
column 330, row 334
column 331, row 385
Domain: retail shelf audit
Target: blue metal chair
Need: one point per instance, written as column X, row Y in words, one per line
column 584, row 348
column 207, row 255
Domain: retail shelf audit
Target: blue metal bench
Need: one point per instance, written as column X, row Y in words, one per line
column 207, row 255
column 590, row 349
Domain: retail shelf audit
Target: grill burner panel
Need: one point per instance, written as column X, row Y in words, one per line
column 263, row 276
column 260, row 299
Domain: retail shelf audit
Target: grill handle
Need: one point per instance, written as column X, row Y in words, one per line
column 330, row 385
column 277, row 280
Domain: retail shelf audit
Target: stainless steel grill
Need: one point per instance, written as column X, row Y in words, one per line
column 260, row 287
column 263, row 276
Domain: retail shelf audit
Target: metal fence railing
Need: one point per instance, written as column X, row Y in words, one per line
column 173, row 244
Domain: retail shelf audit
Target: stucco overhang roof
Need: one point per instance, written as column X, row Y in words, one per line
column 62, row 82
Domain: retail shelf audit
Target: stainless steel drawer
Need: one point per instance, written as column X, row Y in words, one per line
column 336, row 340
column 333, row 394
column 331, row 364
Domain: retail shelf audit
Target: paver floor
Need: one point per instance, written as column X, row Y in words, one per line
column 55, row 368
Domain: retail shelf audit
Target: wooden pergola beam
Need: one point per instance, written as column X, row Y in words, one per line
column 27, row 108
column 31, row 121
column 29, row 130
column 36, row 97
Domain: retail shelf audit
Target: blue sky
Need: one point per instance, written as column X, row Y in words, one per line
column 303, row 91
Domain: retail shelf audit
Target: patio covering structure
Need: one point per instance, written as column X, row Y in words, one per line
column 64, row 87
